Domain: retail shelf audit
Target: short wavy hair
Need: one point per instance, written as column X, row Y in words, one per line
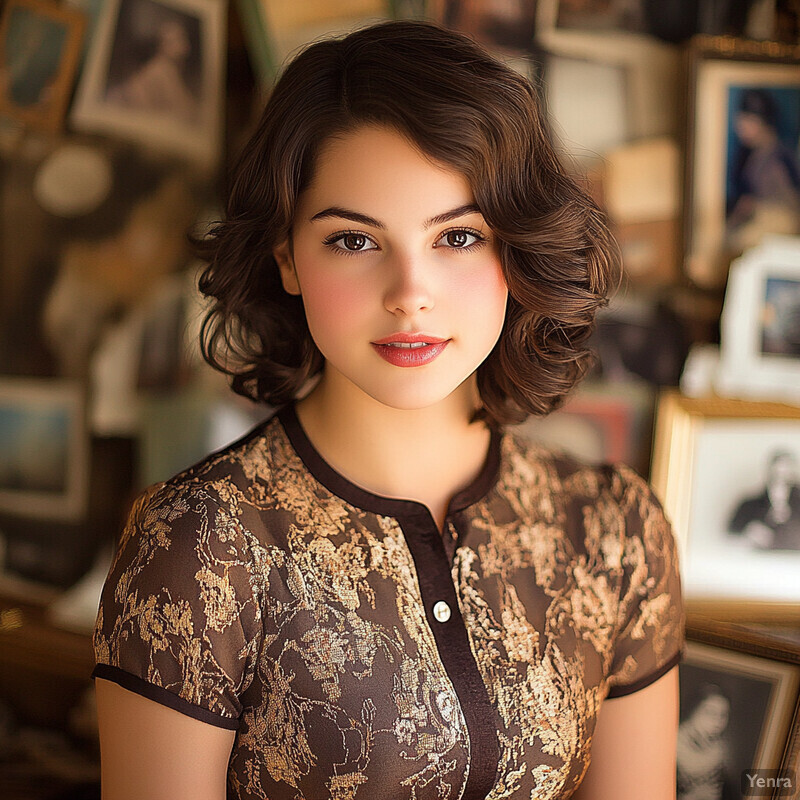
column 464, row 109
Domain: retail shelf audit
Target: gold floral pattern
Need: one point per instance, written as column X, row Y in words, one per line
column 260, row 600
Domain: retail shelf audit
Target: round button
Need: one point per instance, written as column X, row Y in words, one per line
column 441, row 611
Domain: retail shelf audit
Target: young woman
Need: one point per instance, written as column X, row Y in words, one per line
column 380, row 593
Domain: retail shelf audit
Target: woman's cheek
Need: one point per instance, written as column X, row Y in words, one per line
column 333, row 305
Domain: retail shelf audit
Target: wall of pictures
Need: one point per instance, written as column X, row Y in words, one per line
column 118, row 120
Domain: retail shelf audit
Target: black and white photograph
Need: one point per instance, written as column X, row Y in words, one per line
column 39, row 49
column 768, row 517
column 741, row 468
column 43, row 448
column 154, row 75
column 735, row 716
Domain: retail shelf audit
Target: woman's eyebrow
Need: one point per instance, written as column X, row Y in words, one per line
column 364, row 219
column 346, row 213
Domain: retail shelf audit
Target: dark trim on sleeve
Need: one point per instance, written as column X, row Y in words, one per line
column 621, row 691
column 161, row 696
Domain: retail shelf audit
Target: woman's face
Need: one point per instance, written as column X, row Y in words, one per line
column 173, row 40
column 398, row 271
column 751, row 129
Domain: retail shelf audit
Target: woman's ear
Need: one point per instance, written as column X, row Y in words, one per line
column 283, row 257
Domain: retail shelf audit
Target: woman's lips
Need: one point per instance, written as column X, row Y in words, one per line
column 410, row 350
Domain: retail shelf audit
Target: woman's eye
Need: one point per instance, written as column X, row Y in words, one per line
column 351, row 242
column 460, row 239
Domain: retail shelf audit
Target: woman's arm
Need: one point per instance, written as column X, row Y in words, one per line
column 149, row 750
column 634, row 745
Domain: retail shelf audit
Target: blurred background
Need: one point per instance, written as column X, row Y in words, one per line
column 118, row 122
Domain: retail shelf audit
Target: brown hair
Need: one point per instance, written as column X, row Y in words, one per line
column 462, row 108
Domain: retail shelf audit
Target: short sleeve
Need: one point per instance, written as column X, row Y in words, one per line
column 178, row 620
column 650, row 619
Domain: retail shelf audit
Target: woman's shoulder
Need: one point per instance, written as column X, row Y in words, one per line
column 217, row 486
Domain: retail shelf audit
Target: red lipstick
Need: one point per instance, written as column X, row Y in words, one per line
column 410, row 349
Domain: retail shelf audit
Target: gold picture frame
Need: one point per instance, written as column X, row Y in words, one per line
column 711, row 469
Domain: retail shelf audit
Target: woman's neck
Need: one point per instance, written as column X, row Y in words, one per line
column 426, row 454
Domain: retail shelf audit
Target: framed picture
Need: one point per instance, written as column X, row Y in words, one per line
column 743, row 173
column 760, row 326
column 739, row 689
column 44, row 449
column 40, row 46
column 728, row 474
column 154, row 74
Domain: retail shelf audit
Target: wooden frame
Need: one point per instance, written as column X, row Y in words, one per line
column 760, row 343
column 756, row 669
column 128, row 89
column 44, row 449
column 726, row 77
column 710, row 457
column 40, row 46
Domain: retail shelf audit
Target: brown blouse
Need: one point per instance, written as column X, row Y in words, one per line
column 359, row 653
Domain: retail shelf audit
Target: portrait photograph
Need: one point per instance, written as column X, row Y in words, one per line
column 728, row 473
column 154, row 74
column 40, row 46
column 735, row 717
column 742, row 173
column 43, row 449
column 762, row 166
column 156, row 65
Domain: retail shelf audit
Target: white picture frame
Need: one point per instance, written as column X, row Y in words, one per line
column 44, row 449
column 154, row 74
column 760, row 324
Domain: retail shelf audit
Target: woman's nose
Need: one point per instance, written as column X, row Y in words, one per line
column 409, row 289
